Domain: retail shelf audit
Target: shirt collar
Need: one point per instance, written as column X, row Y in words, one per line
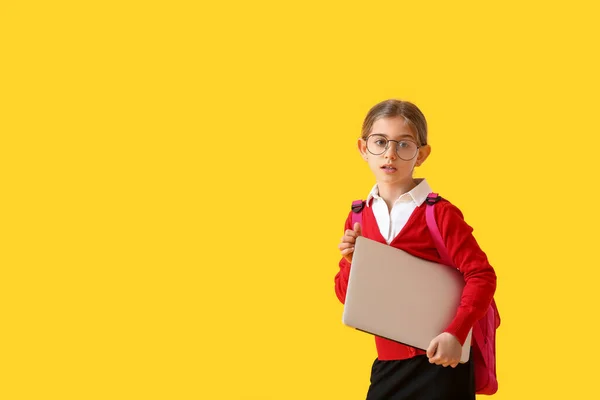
column 418, row 194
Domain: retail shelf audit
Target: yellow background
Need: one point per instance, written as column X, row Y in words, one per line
column 175, row 177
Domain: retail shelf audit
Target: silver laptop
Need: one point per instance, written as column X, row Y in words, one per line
column 401, row 297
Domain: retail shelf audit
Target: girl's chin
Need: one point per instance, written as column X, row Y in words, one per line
column 390, row 178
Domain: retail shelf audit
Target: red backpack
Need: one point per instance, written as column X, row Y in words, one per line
column 484, row 330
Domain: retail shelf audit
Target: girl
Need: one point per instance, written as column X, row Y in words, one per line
column 393, row 143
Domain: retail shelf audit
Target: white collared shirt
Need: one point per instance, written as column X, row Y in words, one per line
column 391, row 223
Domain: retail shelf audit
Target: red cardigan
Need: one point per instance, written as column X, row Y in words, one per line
column 414, row 238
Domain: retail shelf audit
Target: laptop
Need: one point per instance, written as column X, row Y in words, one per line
column 400, row 297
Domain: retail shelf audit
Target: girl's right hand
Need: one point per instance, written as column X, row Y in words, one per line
column 347, row 245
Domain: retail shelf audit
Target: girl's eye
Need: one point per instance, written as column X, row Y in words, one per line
column 404, row 144
column 380, row 142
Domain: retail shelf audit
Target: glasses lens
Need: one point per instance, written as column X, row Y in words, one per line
column 376, row 144
column 407, row 150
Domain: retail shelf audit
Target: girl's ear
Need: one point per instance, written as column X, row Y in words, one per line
column 424, row 152
column 362, row 148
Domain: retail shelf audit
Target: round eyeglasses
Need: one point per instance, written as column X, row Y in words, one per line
column 378, row 144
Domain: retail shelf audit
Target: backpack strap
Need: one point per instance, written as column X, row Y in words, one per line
column 357, row 207
column 433, row 198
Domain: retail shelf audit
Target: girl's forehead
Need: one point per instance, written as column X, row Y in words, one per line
column 393, row 127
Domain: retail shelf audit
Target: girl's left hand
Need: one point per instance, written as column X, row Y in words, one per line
column 444, row 349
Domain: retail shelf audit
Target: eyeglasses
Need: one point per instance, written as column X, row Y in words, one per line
column 405, row 149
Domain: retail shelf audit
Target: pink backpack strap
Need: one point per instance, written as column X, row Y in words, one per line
column 357, row 207
column 433, row 198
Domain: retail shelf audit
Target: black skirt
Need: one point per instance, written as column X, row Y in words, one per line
column 416, row 379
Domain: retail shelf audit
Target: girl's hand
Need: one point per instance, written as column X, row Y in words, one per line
column 347, row 245
column 444, row 349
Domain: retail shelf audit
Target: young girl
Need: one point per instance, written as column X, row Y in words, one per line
column 393, row 143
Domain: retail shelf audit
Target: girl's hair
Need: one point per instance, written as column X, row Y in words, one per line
column 397, row 108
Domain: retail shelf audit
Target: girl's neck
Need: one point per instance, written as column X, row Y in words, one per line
column 390, row 193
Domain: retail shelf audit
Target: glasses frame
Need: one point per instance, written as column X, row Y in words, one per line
column 387, row 146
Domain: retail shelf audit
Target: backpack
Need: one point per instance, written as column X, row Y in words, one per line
column 484, row 330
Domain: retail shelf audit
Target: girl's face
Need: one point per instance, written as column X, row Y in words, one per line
column 395, row 164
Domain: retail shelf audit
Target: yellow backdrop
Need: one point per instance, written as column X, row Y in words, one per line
column 175, row 178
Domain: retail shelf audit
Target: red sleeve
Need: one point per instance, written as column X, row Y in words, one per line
column 341, row 278
column 480, row 278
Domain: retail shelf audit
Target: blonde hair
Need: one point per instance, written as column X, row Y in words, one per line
column 397, row 108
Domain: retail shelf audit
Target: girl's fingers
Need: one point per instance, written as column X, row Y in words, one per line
column 343, row 246
column 347, row 251
column 438, row 360
column 350, row 232
column 349, row 239
column 433, row 345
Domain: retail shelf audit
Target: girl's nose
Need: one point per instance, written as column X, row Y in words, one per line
column 390, row 152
